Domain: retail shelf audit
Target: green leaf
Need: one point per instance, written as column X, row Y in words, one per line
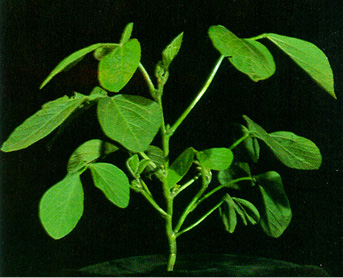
column 228, row 214
column 251, row 145
column 117, row 68
column 97, row 93
column 104, row 50
column 70, row 61
column 112, row 182
column 126, row 34
column 142, row 165
column 42, row 123
column 215, row 158
column 133, row 163
column 179, row 168
column 170, row 52
column 309, row 57
column 155, row 154
column 61, row 206
column 250, row 211
column 133, row 121
column 87, row 153
column 276, row 214
column 292, row 150
column 246, row 55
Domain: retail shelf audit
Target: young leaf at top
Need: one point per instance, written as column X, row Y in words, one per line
column 309, row 57
column 215, row 158
column 89, row 152
column 292, row 150
column 112, row 182
column 70, row 61
column 276, row 214
column 117, row 68
column 246, row 55
column 61, row 206
column 42, row 123
column 126, row 33
column 170, row 52
column 168, row 55
column 179, row 168
column 133, row 121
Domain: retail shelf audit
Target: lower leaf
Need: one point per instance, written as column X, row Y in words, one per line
column 61, row 207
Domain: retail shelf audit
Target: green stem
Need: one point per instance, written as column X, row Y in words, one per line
column 148, row 80
column 201, row 219
column 240, row 140
column 183, row 187
column 262, row 36
column 223, row 186
column 153, row 203
column 198, row 97
column 191, row 205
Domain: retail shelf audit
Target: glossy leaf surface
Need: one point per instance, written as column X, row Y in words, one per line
column 89, row 152
column 112, row 182
column 277, row 213
column 61, row 207
column 42, row 123
column 133, row 121
column 216, row 158
column 181, row 165
column 247, row 56
column 309, row 57
column 69, row 61
column 117, row 68
column 292, row 150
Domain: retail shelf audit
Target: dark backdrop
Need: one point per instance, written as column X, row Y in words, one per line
column 36, row 35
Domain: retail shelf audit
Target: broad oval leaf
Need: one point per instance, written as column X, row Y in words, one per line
column 117, row 68
column 276, row 214
column 309, row 57
column 42, row 123
column 215, row 158
column 292, row 150
column 248, row 56
column 61, row 206
column 112, row 182
column 89, row 152
column 179, row 168
column 69, row 61
column 133, row 121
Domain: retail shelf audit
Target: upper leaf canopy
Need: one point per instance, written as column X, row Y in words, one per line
column 117, row 68
column 43, row 122
column 246, row 55
column 133, row 121
column 309, row 57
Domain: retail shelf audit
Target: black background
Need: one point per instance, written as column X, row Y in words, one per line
column 36, row 35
